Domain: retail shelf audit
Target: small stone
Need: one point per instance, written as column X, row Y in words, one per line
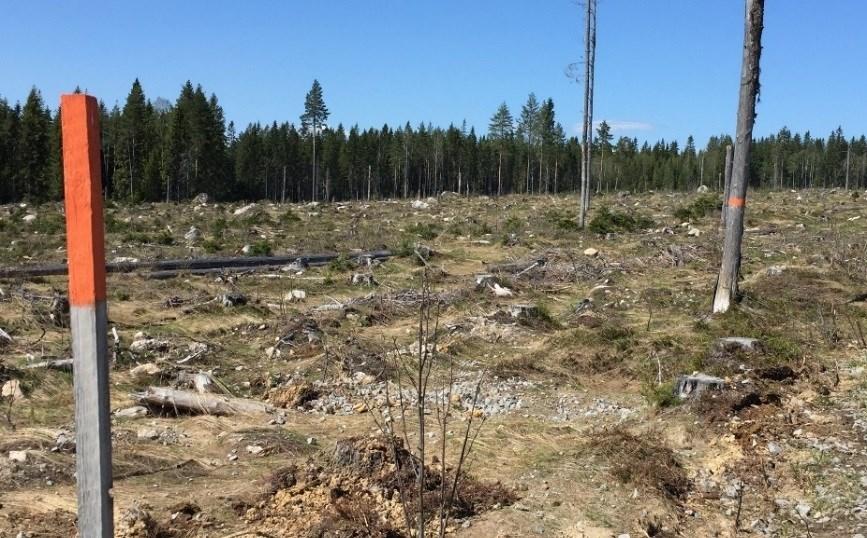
column 148, row 434
column 145, row 370
column 311, row 441
column 255, row 449
column 18, row 456
column 28, row 218
column 803, row 509
column 592, row 252
column 5, row 339
column 232, row 457
column 246, row 249
column 702, row 189
column 693, row 232
column 774, row 448
column 193, row 235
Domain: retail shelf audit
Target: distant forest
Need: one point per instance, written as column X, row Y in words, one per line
column 159, row 151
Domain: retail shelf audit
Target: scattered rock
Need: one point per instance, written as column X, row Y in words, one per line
column 420, row 204
column 255, row 449
column 693, row 232
column 12, row 390
column 193, row 235
column 18, row 456
column 501, row 291
column 363, row 279
column 144, row 344
column 702, row 189
column 5, row 339
column 232, row 299
column 243, row 210
column 28, row 218
column 295, row 296
column 690, row 386
column 147, row 433
column 147, row 369
column 592, row 252
column 201, row 198
column 246, row 249
column 738, row 343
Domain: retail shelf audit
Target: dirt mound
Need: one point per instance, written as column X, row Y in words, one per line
column 357, row 492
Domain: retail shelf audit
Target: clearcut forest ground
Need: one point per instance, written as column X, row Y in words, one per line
column 582, row 436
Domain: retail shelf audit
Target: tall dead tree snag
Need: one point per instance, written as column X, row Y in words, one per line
column 727, row 283
column 727, row 183
column 587, row 125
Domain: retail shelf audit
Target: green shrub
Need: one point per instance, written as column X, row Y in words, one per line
column 705, row 204
column 606, row 221
column 219, row 226
column 513, row 224
column 260, row 248
column 562, row 221
column 212, row 246
column 165, row 238
column 660, row 395
column 340, row 264
column 424, row 230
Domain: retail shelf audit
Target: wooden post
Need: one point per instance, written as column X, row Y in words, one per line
column 727, row 283
column 85, row 241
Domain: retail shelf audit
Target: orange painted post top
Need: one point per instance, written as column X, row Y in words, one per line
column 82, row 182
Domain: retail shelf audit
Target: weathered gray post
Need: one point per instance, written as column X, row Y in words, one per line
column 86, row 258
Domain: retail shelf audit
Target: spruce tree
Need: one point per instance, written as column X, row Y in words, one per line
column 501, row 130
column 33, row 148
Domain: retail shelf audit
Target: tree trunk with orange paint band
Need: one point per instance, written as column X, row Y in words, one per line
column 727, row 283
column 85, row 239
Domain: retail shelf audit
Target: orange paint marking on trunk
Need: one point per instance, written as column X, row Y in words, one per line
column 82, row 181
column 734, row 201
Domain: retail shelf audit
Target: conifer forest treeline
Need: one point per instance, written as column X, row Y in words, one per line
column 162, row 151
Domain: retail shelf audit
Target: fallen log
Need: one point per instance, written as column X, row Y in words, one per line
column 56, row 364
column 214, row 264
column 182, row 401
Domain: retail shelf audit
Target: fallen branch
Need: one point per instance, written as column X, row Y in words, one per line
column 181, row 401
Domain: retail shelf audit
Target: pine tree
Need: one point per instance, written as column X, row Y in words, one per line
column 315, row 115
column 501, row 130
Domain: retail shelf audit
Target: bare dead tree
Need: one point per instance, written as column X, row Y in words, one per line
column 727, row 183
column 587, row 126
column 727, row 283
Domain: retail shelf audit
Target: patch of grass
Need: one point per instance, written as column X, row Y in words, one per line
column 705, row 204
column 219, row 226
column 641, row 461
column 288, row 217
column 606, row 221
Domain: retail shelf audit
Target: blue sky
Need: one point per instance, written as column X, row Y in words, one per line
column 665, row 68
